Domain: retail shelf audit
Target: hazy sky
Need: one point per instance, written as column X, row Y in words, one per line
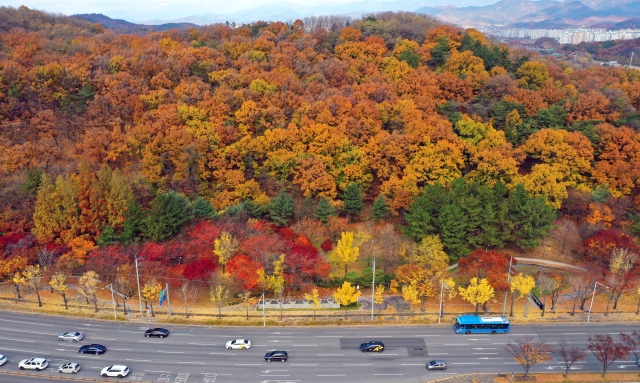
column 150, row 9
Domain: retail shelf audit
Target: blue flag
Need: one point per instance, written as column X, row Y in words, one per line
column 162, row 296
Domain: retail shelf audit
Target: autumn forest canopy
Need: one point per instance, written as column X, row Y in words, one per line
column 227, row 147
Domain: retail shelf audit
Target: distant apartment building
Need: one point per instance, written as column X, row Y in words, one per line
column 569, row 36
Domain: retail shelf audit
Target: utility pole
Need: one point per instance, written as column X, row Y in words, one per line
column 168, row 300
column 264, row 313
column 631, row 61
column 110, row 286
column 373, row 282
column 138, row 279
column 441, row 291
column 504, row 306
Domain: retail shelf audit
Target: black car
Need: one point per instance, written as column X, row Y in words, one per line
column 276, row 355
column 92, row 349
column 372, row 347
column 437, row 365
column 158, row 332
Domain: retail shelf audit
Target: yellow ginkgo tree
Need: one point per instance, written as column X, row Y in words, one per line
column 150, row 290
column 224, row 248
column 477, row 293
column 314, row 297
column 274, row 282
column 522, row 285
column 58, row 283
column 346, row 252
column 346, row 295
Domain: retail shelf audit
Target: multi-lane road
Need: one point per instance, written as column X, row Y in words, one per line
column 316, row 354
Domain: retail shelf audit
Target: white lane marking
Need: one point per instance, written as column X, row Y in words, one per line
column 172, row 352
column 30, row 332
column 389, row 374
column 379, row 336
column 120, row 349
column 485, row 353
column 469, row 363
column 415, row 364
column 192, row 363
column 139, row 360
column 512, row 363
column 574, row 333
column 441, row 353
column 306, row 345
column 443, row 373
column 88, row 324
column 329, row 336
column 18, row 340
column 274, row 375
column 330, row 354
column 105, row 338
column 92, row 357
column 280, row 336
column 144, row 341
column 456, row 344
column 426, row 335
column 162, row 372
column 332, row 375
column 357, row 364
column 96, row 367
column 282, row 333
column 498, row 343
column 247, row 364
column 522, row 334
column 382, row 354
column 280, row 341
column 203, row 344
column 220, row 353
column 302, row 364
column 22, row 322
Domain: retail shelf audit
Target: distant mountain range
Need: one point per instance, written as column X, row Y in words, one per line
column 509, row 13
column 128, row 27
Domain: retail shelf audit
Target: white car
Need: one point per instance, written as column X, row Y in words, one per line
column 3, row 359
column 118, row 371
column 238, row 344
column 69, row 368
column 73, row 336
column 33, row 364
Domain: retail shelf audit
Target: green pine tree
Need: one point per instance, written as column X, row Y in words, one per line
column 452, row 223
column 107, row 237
column 324, row 210
column 34, row 177
column 281, row 209
column 132, row 225
column 254, row 210
column 203, row 208
column 534, row 220
column 353, row 199
column 380, row 208
column 419, row 221
column 169, row 211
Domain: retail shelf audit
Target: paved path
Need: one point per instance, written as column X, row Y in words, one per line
column 539, row 262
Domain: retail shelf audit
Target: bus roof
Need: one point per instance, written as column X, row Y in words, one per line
column 474, row 319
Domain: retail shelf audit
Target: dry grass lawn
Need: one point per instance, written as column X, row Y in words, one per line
column 581, row 377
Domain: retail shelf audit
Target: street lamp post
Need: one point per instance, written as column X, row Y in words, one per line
column 504, row 305
column 138, row 279
column 110, row 286
column 373, row 282
column 264, row 313
column 441, row 291
column 593, row 295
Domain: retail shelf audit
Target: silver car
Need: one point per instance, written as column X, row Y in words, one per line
column 73, row 336
column 69, row 368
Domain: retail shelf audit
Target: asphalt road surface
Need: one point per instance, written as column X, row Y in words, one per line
column 316, row 354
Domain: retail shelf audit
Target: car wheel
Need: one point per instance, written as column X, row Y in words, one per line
column 38, row 369
column 162, row 336
column 445, row 369
column 268, row 360
column 147, row 335
column 493, row 332
column 120, row 376
column 105, row 375
column 74, row 372
column 228, row 347
column 283, row 360
column 60, row 339
column 75, row 340
column 21, row 367
column 467, row 332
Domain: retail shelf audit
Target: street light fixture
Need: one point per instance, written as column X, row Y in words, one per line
column 110, row 286
column 593, row 295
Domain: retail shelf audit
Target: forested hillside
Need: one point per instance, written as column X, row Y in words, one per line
column 222, row 146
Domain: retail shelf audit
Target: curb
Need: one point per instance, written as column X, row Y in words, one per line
column 62, row 377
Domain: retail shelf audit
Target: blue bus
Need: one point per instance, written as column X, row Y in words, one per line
column 468, row 324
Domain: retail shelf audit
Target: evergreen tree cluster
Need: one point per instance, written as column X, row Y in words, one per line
column 471, row 215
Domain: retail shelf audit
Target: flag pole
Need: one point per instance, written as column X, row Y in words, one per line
column 168, row 300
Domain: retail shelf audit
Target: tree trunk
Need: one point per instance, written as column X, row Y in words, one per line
column 544, row 304
column 484, row 307
column 604, row 372
column 38, row 294
column 219, row 311
column 87, row 298
column 314, row 312
column 345, row 312
column 247, row 312
column 64, row 297
column 95, row 302
column 151, row 305
column 513, row 300
column 186, row 308
column 477, row 307
column 345, row 269
column 526, row 372
column 606, row 313
column 422, row 301
column 575, row 302
column 566, row 372
column 17, row 286
column 124, row 305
